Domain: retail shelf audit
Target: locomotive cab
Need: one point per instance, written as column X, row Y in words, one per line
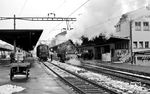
column 42, row 52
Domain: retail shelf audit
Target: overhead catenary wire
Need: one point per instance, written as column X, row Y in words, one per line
column 64, row 1
column 24, row 4
column 78, row 8
column 72, row 13
column 98, row 24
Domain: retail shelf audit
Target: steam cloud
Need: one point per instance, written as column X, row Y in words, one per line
column 100, row 16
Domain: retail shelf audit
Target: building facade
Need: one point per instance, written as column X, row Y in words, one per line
column 107, row 50
column 132, row 37
column 135, row 26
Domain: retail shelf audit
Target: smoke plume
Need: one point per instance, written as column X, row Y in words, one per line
column 100, row 16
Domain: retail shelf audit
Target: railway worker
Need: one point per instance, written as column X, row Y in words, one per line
column 51, row 54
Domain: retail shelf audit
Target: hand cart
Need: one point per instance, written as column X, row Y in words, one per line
column 19, row 69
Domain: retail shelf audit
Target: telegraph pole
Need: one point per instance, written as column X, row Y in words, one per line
column 131, row 50
column 14, row 30
column 14, row 22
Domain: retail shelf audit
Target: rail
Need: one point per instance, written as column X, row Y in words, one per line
column 80, row 84
column 122, row 74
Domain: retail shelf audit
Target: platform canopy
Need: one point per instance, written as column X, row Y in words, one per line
column 5, row 49
column 25, row 39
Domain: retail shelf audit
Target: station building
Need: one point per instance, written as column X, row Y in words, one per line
column 106, row 49
column 132, row 38
column 135, row 26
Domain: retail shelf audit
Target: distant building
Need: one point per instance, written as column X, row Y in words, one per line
column 108, row 50
column 135, row 26
column 132, row 36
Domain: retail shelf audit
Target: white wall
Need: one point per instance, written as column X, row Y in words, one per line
column 124, row 29
column 140, row 35
column 106, row 57
column 144, row 62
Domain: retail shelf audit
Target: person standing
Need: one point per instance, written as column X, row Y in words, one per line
column 51, row 55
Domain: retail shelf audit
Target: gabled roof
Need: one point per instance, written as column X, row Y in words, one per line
column 25, row 38
column 5, row 49
column 139, row 12
column 135, row 14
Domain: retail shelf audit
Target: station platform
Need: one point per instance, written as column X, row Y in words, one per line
column 41, row 81
column 4, row 61
column 128, row 67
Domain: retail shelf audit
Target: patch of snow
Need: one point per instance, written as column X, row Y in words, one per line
column 74, row 61
column 120, row 86
column 9, row 89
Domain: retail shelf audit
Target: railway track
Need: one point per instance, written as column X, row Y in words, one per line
column 121, row 74
column 78, row 83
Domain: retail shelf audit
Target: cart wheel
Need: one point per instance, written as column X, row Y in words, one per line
column 27, row 74
column 11, row 75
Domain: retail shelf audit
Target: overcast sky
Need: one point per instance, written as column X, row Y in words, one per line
column 93, row 17
column 38, row 8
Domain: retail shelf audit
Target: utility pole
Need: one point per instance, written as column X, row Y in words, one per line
column 131, row 49
column 14, row 30
column 14, row 22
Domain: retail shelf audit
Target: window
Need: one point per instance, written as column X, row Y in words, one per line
column 141, row 44
column 138, row 26
column 146, row 44
column 134, row 44
column 145, row 26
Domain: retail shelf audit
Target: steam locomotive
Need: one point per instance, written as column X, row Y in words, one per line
column 65, row 50
column 42, row 52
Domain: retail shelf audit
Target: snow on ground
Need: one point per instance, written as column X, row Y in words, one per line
column 116, row 84
column 74, row 61
column 120, row 86
column 9, row 89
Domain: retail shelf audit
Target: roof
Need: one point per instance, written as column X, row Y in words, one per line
column 102, row 41
column 135, row 14
column 4, row 49
column 26, row 39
